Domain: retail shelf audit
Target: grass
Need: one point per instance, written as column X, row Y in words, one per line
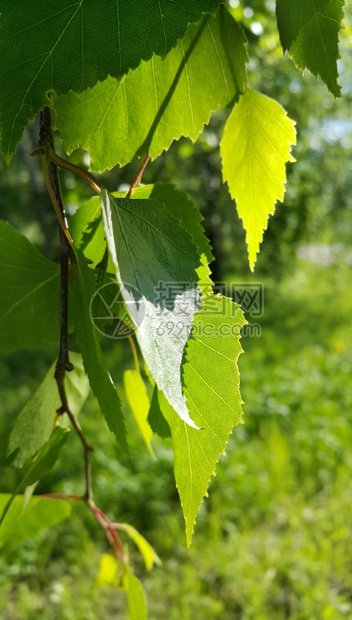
column 274, row 538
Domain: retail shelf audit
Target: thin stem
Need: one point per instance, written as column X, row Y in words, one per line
column 138, row 176
column 61, row 496
column 84, row 174
column 110, row 530
column 103, row 520
column 59, row 215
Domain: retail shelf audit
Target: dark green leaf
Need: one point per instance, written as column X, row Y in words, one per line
column 41, row 464
column 156, row 420
column 309, row 30
column 156, row 261
column 93, row 359
column 34, row 425
column 51, row 47
column 29, row 299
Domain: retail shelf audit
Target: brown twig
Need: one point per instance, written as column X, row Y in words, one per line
column 61, row 496
column 84, row 174
column 46, row 144
column 138, row 177
column 103, row 520
column 51, row 162
column 109, row 529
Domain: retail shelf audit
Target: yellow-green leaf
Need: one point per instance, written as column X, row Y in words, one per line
column 107, row 571
column 138, row 401
column 147, row 551
column 255, row 147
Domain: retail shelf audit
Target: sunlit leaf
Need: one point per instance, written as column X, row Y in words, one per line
column 156, row 419
column 137, row 606
column 55, row 48
column 138, row 401
column 155, row 261
column 107, row 571
column 162, row 100
column 255, row 147
column 147, row 551
column 211, row 387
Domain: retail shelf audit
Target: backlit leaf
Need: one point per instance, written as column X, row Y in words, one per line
column 107, row 571
column 211, row 387
column 160, row 101
column 255, row 148
column 138, row 401
column 149, row 556
column 53, row 47
column 156, row 419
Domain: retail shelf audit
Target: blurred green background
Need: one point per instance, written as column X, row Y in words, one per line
column 274, row 540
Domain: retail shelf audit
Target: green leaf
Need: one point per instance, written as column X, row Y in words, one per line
column 147, row 551
column 87, row 231
column 29, row 299
column 138, row 401
column 160, row 101
column 25, row 522
column 137, row 605
column 309, row 30
column 93, row 359
column 156, row 261
column 55, row 48
column 47, row 457
column 43, row 462
column 180, row 206
column 211, row 387
column 156, row 420
column 254, row 149
column 34, row 425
